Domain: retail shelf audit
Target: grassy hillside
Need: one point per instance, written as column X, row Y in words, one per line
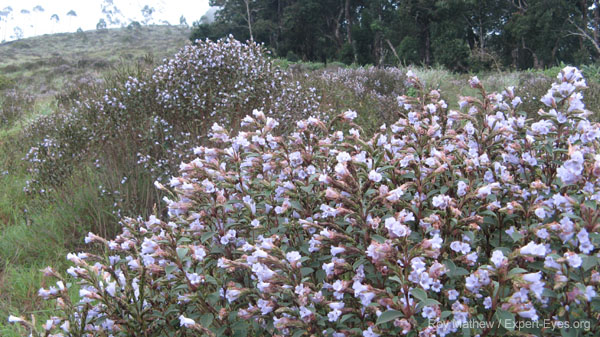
column 45, row 63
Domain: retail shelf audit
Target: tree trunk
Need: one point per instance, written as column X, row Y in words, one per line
column 427, row 46
column 249, row 19
column 349, row 30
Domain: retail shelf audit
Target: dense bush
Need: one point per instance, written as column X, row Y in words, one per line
column 441, row 218
column 14, row 104
column 151, row 115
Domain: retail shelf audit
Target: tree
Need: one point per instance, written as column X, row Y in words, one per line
column 147, row 12
column 6, row 15
column 101, row 25
column 183, row 21
column 54, row 18
column 114, row 16
column 71, row 14
column 17, row 33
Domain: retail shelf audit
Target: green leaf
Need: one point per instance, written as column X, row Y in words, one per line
column 211, row 280
column 206, row 320
column 454, row 271
column 169, row 269
column 427, row 303
column 419, row 294
column 378, row 238
column 589, row 262
column 345, row 317
column 298, row 333
column 506, row 319
column 389, row 315
column 207, row 236
column 296, row 205
column 516, row 236
column 306, row 271
column 396, row 279
column 182, row 252
column 516, row 271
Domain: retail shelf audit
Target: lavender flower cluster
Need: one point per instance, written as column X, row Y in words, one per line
column 443, row 217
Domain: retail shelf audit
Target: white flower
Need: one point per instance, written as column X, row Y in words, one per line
column 111, row 289
column 265, row 306
column 487, row 302
column 337, row 250
column 570, row 171
column 369, row 333
column 293, row 256
column 461, row 188
column 186, row 322
column 498, row 258
column 395, row 194
column 343, row 157
column 540, row 213
column 375, row 176
column 460, row 247
column 441, row 201
column 14, row 319
column 429, row 312
column 232, row 294
column 542, row 127
column 533, row 249
column 452, row 294
column 396, row 228
column 349, row 115
column 573, row 259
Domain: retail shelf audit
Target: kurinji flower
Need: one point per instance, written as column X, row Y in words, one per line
column 570, row 171
column 573, row 259
column 375, row 176
column 498, row 258
column 186, row 322
column 460, row 247
column 441, row 201
column 349, row 115
column 293, row 257
column 542, row 127
column 396, row 228
column 533, row 249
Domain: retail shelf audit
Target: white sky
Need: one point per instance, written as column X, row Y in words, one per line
column 89, row 13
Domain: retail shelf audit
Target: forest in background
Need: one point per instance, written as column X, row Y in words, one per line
column 462, row 35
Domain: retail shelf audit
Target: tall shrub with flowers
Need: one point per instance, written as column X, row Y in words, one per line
column 440, row 218
column 159, row 111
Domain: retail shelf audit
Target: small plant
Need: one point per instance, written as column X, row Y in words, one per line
column 441, row 218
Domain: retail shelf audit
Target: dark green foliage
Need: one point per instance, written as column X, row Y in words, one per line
column 462, row 35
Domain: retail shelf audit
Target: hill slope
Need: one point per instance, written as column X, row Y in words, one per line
column 45, row 63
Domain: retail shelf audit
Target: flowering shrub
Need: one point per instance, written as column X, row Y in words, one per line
column 441, row 218
column 158, row 111
column 14, row 103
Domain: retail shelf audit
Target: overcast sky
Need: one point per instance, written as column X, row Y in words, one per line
column 21, row 14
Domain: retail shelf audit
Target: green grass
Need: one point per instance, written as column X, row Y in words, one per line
column 46, row 63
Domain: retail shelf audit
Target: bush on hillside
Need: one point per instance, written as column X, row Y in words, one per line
column 443, row 217
column 14, row 104
column 152, row 115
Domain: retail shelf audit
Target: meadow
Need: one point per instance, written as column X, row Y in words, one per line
column 106, row 148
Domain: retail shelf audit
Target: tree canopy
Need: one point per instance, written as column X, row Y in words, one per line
column 459, row 34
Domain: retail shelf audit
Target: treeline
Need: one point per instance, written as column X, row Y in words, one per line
column 461, row 35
